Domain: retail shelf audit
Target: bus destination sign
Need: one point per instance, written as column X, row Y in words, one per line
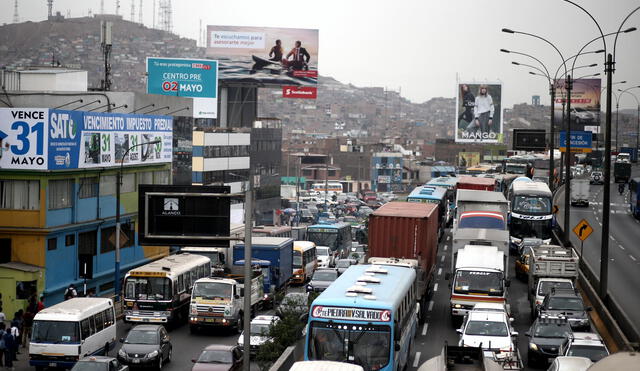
column 356, row 314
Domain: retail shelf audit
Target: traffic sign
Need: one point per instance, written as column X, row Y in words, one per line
column 583, row 230
column 581, row 141
column 555, row 209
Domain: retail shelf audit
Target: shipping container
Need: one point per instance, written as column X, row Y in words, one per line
column 481, row 184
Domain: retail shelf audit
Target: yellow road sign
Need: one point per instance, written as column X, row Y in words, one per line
column 583, row 230
column 555, row 209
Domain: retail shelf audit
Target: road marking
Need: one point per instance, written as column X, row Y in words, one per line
column 612, row 238
column 445, row 247
column 621, row 247
column 424, row 329
column 435, row 287
column 439, row 271
column 442, row 258
column 416, row 359
column 430, row 306
column 448, row 238
column 600, row 223
column 632, row 257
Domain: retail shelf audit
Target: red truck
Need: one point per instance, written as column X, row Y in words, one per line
column 480, row 184
column 406, row 233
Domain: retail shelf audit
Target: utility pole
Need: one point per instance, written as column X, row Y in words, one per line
column 248, row 224
column 552, row 133
column 105, row 39
column 567, row 165
column 606, row 197
column 326, row 181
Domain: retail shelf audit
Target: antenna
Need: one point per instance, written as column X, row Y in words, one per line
column 105, row 40
column 117, row 7
column 101, row 6
column 50, row 8
column 133, row 10
column 165, row 15
column 16, row 18
column 199, row 33
column 140, row 13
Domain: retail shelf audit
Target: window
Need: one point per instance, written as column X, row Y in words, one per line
column 99, row 318
column 145, row 177
column 87, row 243
column 108, row 315
column 181, row 283
column 60, row 193
column 161, row 177
column 88, row 187
column 70, row 240
column 20, row 194
column 92, row 323
column 128, row 183
column 52, row 244
column 85, row 328
column 24, row 289
column 107, row 185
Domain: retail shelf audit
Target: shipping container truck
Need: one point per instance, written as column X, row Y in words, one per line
column 278, row 251
column 621, row 171
column 481, row 201
column 477, row 183
column 406, row 230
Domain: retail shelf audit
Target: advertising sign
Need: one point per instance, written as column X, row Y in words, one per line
column 355, row 314
column 585, row 103
column 384, row 179
column 285, row 57
column 196, row 78
column 62, row 140
column 479, row 113
column 468, row 159
column 581, row 141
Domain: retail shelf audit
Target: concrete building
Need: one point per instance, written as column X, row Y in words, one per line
column 386, row 171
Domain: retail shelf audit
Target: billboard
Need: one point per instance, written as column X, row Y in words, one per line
column 468, row 159
column 195, row 78
column 286, row 57
column 478, row 113
column 49, row 139
column 585, row 103
column 529, row 139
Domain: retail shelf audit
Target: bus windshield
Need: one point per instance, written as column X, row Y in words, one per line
column 364, row 345
column 532, row 205
column 470, row 282
column 56, row 332
column 326, row 237
column 516, row 169
column 297, row 259
column 147, row 288
column 212, row 290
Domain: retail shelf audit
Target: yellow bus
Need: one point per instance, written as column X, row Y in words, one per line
column 305, row 261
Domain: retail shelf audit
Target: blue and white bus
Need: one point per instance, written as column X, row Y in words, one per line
column 451, row 185
column 437, row 171
column 336, row 236
column 634, row 202
column 434, row 195
column 368, row 316
column 531, row 210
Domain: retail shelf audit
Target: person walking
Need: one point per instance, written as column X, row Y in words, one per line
column 15, row 334
column 28, row 320
column 8, row 347
column 70, row 292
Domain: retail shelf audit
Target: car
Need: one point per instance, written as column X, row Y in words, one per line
column 596, row 177
column 365, row 211
column 259, row 332
column 545, row 285
column 296, row 303
column 568, row 304
column 546, row 336
column 325, row 257
column 585, row 344
column 306, row 216
column 350, row 219
column 219, row 357
column 321, row 279
column 487, row 326
column 358, row 253
column 146, row 346
column 343, row 264
column 99, row 363
column 570, row 364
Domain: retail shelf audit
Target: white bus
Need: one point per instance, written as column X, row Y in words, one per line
column 531, row 211
column 332, row 187
column 305, row 261
column 159, row 292
column 73, row 329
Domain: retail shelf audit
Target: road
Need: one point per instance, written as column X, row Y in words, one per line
column 624, row 249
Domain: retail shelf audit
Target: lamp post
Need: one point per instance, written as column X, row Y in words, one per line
column 606, row 198
column 638, row 117
column 118, row 185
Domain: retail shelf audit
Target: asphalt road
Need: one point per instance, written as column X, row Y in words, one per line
column 624, row 249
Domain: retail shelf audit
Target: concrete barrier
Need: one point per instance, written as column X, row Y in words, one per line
column 290, row 355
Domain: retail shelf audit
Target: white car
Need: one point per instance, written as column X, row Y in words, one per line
column 585, row 344
column 259, row 332
column 325, row 257
column 488, row 326
column 570, row 364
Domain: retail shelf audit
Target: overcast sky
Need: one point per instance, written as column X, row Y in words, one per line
column 419, row 46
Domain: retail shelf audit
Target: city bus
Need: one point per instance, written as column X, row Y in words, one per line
column 305, row 261
column 634, row 202
column 438, row 171
column 159, row 292
column 451, row 185
column 70, row 330
column 531, row 211
column 335, row 187
column 336, row 236
column 368, row 316
column 434, row 195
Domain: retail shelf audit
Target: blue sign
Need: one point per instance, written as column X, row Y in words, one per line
column 196, row 78
column 581, row 141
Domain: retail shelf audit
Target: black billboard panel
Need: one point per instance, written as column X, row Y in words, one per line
column 529, row 140
column 180, row 215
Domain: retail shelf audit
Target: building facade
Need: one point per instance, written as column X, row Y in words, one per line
column 386, row 171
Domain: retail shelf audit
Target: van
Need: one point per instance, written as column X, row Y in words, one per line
column 73, row 329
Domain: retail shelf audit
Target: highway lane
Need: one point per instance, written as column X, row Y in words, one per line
column 624, row 246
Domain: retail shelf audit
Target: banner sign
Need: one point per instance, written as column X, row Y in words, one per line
column 478, row 113
column 468, row 159
column 581, row 141
column 195, row 78
column 356, row 314
column 49, row 139
column 585, row 103
column 304, row 92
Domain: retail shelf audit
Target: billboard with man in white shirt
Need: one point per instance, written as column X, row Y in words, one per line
column 479, row 113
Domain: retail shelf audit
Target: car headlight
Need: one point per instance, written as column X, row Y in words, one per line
column 122, row 353
column 194, row 309
column 309, row 287
column 533, row 346
column 152, row 354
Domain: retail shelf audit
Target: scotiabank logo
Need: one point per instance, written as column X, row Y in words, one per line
column 305, row 73
column 305, row 92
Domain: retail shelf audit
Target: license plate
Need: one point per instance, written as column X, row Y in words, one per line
column 135, row 361
column 145, row 320
column 52, row 364
column 210, row 320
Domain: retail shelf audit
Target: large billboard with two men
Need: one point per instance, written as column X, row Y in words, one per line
column 286, row 57
column 479, row 113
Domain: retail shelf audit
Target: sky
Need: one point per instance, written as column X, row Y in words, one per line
column 421, row 47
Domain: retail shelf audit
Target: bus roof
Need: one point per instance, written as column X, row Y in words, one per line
column 170, row 264
column 531, row 188
column 446, row 181
column 471, row 195
column 428, row 192
column 74, row 309
column 272, row 229
column 443, row 168
column 476, row 180
column 329, row 226
column 482, row 257
column 406, row 209
column 303, row 245
column 388, row 293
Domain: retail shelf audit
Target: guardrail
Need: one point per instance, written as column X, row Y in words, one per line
column 624, row 333
column 290, row 355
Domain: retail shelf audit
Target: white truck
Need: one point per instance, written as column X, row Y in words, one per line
column 478, row 277
column 550, row 266
column 480, row 236
column 580, row 192
column 219, row 301
column 468, row 200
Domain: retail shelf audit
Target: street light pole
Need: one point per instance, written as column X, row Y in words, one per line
column 116, row 283
column 246, row 314
column 567, row 165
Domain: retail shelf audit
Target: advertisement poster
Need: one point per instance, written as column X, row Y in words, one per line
column 286, row 57
column 468, row 159
column 478, row 113
column 195, row 78
column 62, row 140
column 585, row 103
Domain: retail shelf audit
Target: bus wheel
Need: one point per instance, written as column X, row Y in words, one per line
column 106, row 350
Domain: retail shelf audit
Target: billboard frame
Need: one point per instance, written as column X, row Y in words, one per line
column 498, row 136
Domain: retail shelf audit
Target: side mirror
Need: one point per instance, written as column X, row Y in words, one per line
column 236, row 296
column 193, row 361
column 507, row 282
column 447, row 276
column 122, row 340
column 459, row 331
column 527, row 334
column 588, row 309
column 515, row 333
column 397, row 347
column 511, row 319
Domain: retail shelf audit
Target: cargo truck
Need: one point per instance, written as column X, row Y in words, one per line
column 219, row 301
column 550, row 266
column 278, row 251
column 479, row 236
column 580, row 192
column 406, row 230
column 481, row 201
column 630, row 153
column 476, row 183
column 621, row 171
